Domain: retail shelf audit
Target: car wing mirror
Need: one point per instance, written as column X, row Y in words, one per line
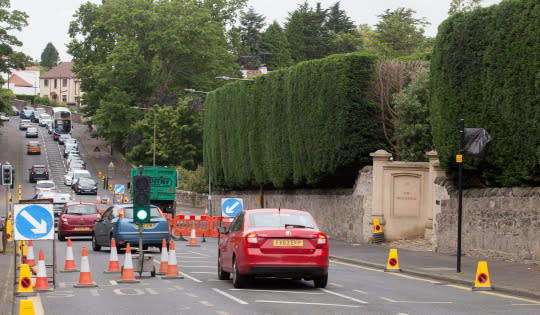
column 97, row 220
column 222, row 230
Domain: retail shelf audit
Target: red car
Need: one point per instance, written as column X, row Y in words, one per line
column 281, row 243
column 77, row 219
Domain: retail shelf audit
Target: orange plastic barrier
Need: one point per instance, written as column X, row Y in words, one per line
column 203, row 225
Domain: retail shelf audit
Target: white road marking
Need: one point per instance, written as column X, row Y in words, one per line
column 415, row 278
column 222, row 313
column 534, row 304
column 412, row 302
column 206, row 303
column 190, row 277
column 113, row 282
column 151, row 291
column 305, row 303
column 275, row 291
column 94, row 292
column 336, row 284
column 360, row 291
column 225, row 294
column 344, row 296
column 191, row 294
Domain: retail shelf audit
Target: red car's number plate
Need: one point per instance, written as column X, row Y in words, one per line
column 82, row 229
column 288, row 243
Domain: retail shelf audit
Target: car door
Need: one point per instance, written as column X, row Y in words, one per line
column 100, row 228
column 230, row 241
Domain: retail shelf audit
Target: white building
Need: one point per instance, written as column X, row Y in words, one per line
column 22, row 82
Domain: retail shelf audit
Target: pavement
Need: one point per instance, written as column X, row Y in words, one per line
column 414, row 256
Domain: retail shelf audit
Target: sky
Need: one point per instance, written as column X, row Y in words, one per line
column 48, row 21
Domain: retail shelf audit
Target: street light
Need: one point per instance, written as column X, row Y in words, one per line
column 226, row 78
column 195, row 91
column 154, row 142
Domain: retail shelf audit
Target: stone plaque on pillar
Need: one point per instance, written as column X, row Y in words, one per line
column 407, row 195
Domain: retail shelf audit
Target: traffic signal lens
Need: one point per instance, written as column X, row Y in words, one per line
column 141, row 214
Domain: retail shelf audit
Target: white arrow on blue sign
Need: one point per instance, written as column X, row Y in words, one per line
column 119, row 189
column 230, row 207
column 33, row 222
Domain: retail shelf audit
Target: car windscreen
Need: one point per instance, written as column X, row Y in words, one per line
column 38, row 169
column 81, row 209
column 31, row 129
column 154, row 213
column 86, row 181
column 280, row 220
column 45, row 185
column 34, row 144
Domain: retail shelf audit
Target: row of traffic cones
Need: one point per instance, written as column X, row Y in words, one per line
column 482, row 282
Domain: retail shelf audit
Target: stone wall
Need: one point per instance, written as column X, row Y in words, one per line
column 499, row 223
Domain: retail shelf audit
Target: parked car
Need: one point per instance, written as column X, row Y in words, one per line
column 59, row 201
column 4, row 116
column 43, row 117
column 31, row 132
column 85, row 185
column 117, row 221
column 281, row 243
column 77, row 219
column 33, row 147
column 44, row 186
column 24, row 124
column 38, row 172
column 63, row 138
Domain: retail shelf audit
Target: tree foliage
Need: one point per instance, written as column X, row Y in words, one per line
column 457, row 6
column 484, row 70
column 309, row 125
column 277, row 47
column 251, row 40
column 10, row 21
column 49, row 56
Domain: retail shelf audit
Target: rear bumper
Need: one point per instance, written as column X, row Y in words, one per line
column 287, row 271
column 75, row 230
column 149, row 238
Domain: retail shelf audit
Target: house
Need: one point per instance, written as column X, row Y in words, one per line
column 253, row 73
column 22, row 82
column 61, row 84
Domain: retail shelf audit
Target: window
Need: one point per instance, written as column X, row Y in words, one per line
column 55, row 85
column 64, row 98
column 64, row 82
column 237, row 224
column 46, row 82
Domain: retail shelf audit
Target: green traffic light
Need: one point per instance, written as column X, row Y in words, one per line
column 141, row 214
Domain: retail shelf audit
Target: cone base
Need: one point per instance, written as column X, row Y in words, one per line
column 392, row 270
column 482, row 288
column 161, row 273
column 44, row 290
column 196, row 245
column 112, row 271
column 26, row 294
column 75, row 270
column 172, row 277
column 85, row 285
column 128, row 281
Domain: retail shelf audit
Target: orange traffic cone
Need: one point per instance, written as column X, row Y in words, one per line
column 30, row 255
column 85, row 279
column 193, row 239
column 206, row 211
column 164, row 264
column 114, row 266
column 128, row 276
column 70, row 262
column 42, row 283
column 98, row 198
column 172, row 268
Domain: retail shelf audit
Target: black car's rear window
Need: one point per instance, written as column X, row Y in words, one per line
column 281, row 219
column 86, row 181
column 81, row 209
column 39, row 169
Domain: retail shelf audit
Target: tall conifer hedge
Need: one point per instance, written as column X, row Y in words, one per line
column 485, row 69
column 309, row 125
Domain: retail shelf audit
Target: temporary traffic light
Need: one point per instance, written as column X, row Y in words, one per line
column 6, row 175
column 141, row 198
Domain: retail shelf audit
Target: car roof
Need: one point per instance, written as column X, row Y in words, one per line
column 80, row 203
column 81, row 171
column 38, row 165
column 45, row 181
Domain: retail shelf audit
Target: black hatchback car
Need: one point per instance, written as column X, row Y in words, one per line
column 85, row 185
column 38, row 172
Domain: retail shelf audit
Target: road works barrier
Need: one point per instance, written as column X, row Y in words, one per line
column 204, row 226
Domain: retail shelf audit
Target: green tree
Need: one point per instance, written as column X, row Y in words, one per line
column 457, row 6
column 276, row 45
column 250, row 28
column 398, row 33
column 11, row 21
column 49, row 56
column 338, row 21
column 412, row 129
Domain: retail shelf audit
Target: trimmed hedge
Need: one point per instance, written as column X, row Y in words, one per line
column 485, row 70
column 309, row 125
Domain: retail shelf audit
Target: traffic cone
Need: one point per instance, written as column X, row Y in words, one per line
column 70, row 262
column 25, row 282
column 206, row 211
column 42, row 284
column 164, row 264
column 98, row 198
column 482, row 282
column 128, row 276
column 26, row 307
column 172, row 268
column 378, row 234
column 393, row 264
column 114, row 266
column 193, row 239
column 85, row 278
column 30, row 255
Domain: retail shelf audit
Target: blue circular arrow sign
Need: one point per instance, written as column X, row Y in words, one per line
column 230, row 207
column 34, row 222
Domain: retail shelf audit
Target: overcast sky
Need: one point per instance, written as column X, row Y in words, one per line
column 49, row 20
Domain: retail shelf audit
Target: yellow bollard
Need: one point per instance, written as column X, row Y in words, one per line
column 25, row 282
column 8, row 229
column 482, row 282
column 393, row 264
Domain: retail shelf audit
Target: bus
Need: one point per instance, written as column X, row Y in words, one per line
column 61, row 121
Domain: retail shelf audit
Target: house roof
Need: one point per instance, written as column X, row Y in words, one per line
column 18, row 81
column 63, row 70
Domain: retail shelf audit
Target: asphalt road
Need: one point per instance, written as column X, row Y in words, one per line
column 352, row 289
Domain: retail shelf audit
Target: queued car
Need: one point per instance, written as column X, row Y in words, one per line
column 24, row 124
column 44, row 185
column 282, row 243
column 38, row 172
column 4, row 116
column 85, row 185
column 26, row 113
column 59, row 201
column 43, row 118
column 117, row 221
column 63, row 137
column 76, row 164
column 50, row 127
column 72, row 176
column 33, row 147
column 31, row 132
column 77, row 219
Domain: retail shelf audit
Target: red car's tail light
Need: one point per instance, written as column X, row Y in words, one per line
column 252, row 240
column 322, row 241
column 64, row 219
column 121, row 213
